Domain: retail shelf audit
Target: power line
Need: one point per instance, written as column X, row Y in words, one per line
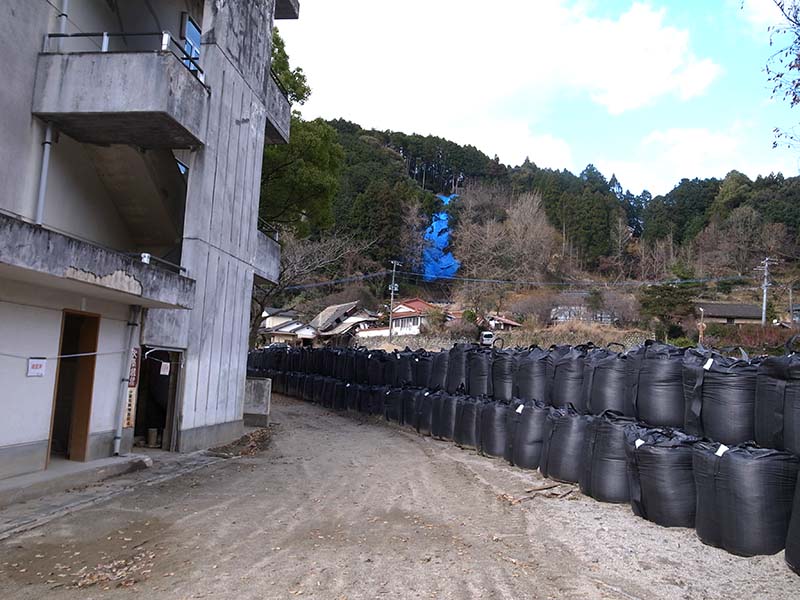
column 573, row 283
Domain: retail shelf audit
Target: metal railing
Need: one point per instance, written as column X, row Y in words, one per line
column 147, row 258
column 166, row 43
column 279, row 83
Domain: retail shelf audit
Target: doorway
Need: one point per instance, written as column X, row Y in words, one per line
column 72, row 410
column 155, row 424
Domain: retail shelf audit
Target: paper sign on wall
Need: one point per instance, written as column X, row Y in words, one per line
column 164, row 368
column 37, row 367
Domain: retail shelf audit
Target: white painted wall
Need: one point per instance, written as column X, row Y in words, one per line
column 30, row 325
column 26, row 402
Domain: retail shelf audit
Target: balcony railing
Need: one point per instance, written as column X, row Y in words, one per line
column 279, row 83
column 165, row 42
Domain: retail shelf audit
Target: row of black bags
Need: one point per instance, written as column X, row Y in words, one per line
column 707, row 393
column 738, row 498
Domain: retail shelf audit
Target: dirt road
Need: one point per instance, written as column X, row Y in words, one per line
column 344, row 508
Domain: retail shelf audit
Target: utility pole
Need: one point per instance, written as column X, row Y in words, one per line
column 392, row 290
column 764, row 266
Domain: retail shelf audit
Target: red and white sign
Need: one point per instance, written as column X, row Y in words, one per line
column 37, row 367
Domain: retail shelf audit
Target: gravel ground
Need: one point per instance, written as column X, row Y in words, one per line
column 343, row 507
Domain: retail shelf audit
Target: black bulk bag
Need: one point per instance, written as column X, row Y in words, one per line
column 340, row 396
column 744, row 497
column 468, row 422
column 562, row 447
column 364, row 398
column 720, row 396
column 457, row 368
column 777, row 414
column 404, row 365
column 291, row 385
column 301, row 386
column 328, row 392
column 530, row 380
column 362, row 366
column 566, row 376
column 479, row 378
column 443, row 415
column 421, row 369
column 512, row 418
column 409, row 401
column 529, row 434
column 438, row 377
column 494, row 430
column 655, row 386
column 503, row 368
column 792, row 555
column 351, row 395
column 605, row 381
column 377, row 399
column 376, row 364
column 308, row 387
column 393, row 405
column 319, row 385
column 349, row 370
column 424, row 413
column 660, row 475
column 604, row 476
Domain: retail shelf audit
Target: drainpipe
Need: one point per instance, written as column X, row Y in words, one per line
column 48, row 141
column 133, row 324
column 62, row 22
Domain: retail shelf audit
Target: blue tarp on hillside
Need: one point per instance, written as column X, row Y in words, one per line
column 436, row 260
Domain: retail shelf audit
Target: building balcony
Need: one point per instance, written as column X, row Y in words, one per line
column 279, row 112
column 153, row 97
column 42, row 257
column 287, row 9
column 267, row 260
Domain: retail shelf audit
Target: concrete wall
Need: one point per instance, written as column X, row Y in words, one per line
column 30, row 325
column 257, row 401
column 220, row 229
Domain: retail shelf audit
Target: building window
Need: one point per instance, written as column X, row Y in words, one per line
column 192, row 37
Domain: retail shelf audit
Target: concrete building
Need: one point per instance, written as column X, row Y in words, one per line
column 131, row 141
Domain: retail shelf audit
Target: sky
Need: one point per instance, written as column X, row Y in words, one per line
column 649, row 91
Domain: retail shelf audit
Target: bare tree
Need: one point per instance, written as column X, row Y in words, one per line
column 301, row 261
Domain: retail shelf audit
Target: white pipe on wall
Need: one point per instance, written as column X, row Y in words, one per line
column 40, row 199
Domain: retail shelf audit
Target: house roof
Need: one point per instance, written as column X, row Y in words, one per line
column 288, row 328
column 729, row 310
column 273, row 311
column 417, row 305
column 505, row 320
column 348, row 324
column 329, row 316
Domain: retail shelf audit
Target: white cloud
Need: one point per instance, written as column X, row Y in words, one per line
column 760, row 14
column 669, row 155
column 453, row 67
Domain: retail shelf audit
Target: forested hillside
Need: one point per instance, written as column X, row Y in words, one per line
column 348, row 200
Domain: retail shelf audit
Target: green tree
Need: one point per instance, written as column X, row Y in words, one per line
column 670, row 304
column 293, row 80
column 299, row 180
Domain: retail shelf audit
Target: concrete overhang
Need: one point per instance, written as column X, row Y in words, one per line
column 42, row 257
column 287, row 9
column 267, row 261
column 146, row 99
column 279, row 114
